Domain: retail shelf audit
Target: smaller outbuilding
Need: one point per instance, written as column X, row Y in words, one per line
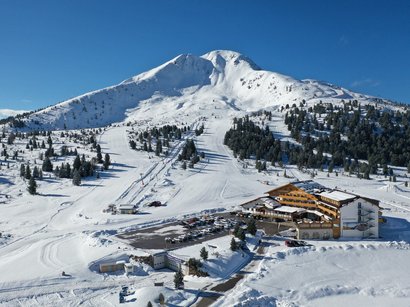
column 127, row 209
column 269, row 207
column 112, row 267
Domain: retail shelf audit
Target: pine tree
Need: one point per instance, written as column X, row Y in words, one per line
column 178, row 279
column 99, row 155
column 234, row 246
column 252, row 227
column 76, row 177
column 330, row 168
column 204, row 253
column 49, row 141
column 35, row 172
column 77, row 163
column 28, row 172
column 107, row 161
column 241, row 234
column 32, row 186
column 47, row 165
column 161, row 299
column 157, row 149
column 133, row 144
column 149, row 304
column 22, row 170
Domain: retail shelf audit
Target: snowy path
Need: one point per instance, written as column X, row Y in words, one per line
column 63, row 237
column 67, row 230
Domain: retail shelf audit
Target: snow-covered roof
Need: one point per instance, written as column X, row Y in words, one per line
column 126, row 207
column 287, row 209
column 309, row 186
column 337, row 195
column 318, row 213
column 270, row 202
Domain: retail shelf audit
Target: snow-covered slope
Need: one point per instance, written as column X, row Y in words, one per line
column 188, row 83
column 9, row 112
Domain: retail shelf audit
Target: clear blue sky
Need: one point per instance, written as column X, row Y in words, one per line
column 53, row 50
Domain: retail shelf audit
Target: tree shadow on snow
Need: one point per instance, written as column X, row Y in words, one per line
column 5, row 181
column 395, row 229
column 53, row 195
column 91, row 185
column 108, row 175
column 216, row 156
column 122, row 165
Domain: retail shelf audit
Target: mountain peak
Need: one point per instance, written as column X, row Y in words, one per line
column 229, row 56
column 218, row 80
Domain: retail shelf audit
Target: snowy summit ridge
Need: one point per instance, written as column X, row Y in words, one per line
column 218, row 77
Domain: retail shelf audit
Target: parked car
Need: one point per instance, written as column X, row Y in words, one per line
column 294, row 243
column 155, row 203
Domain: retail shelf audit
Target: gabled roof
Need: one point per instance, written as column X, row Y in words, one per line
column 289, row 186
column 308, row 186
column 264, row 201
column 347, row 196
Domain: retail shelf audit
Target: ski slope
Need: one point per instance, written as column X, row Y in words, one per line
column 71, row 231
column 65, row 229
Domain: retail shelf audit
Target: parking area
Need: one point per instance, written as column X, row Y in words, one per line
column 193, row 231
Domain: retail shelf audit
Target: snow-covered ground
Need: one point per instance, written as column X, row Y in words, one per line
column 68, row 230
column 221, row 262
column 9, row 112
column 329, row 273
column 64, row 228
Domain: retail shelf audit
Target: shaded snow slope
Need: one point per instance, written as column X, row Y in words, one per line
column 218, row 77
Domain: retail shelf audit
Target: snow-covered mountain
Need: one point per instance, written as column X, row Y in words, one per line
column 9, row 112
column 188, row 83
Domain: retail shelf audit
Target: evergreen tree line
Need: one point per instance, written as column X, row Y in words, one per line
column 25, row 172
column 162, row 136
column 349, row 134
column 199, row 131
column 246, row 140
column 190, row 153
column 80, row 168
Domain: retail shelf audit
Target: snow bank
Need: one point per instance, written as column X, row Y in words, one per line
column 327, row 275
